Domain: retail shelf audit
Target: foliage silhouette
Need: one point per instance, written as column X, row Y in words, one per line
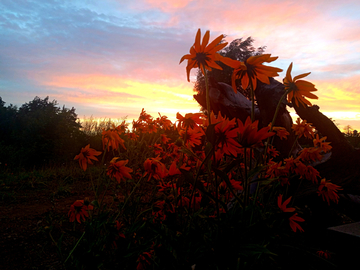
column 39, row 133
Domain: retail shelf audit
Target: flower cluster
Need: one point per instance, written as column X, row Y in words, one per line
column 205, row 166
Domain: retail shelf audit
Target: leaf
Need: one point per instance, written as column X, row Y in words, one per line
column 95, row 203
column 210, row 134
column 188, row 152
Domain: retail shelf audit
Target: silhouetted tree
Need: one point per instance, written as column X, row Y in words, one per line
column 39, row 133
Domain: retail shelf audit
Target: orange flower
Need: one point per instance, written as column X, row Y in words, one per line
column 312, row 174
column 132, row 136
column 249, row 134
column 164, row 138
column 203, row 56
column 303, row 129
column 283, row 205
column 225, row 134
column 144, row 117
column 275, row 169
column 326, row 254
column 299, row 167
column 310, row 154
column 173, row 170
column 253, row 69
column 155, row 168
column 111, row 139
column 294, row 226
column 190, row 120
column 164, row 122
column 236, row 184
column 86, row 155
column 328, row 191
column 298, row 89
column 324, row 146
column 281, row 132
column 122, row 127
column 78, row 211
column 151, row 127
column 144, row 260
column 272, row 151
column 191, row 136
column 118, row 170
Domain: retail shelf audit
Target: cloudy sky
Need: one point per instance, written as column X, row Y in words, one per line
column 111, row 58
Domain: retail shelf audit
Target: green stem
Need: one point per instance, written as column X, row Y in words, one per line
column 75, row 247
column 252, row 101
column 207, row 95
column 292, row 147
column 273, row 122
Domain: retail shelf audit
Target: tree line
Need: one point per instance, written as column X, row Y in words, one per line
column 38, row 134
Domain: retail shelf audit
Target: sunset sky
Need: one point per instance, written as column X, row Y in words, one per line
column 111, row 58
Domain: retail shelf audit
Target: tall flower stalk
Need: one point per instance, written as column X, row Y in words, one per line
column 204, row 56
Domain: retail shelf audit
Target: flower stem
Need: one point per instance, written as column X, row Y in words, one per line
column 292, row 147
column 75, row 247
column 207, row 95
column 252, row 101
column 273, row 123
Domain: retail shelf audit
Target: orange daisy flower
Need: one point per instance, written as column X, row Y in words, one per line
column 303, row 129
column 236, row 184
column 86, row 155
column 191, row 136
column 173, row 170
column 111, row 139
column 249, row 134
column 190, row 120
column 272, row 151
column 151, row 127
column 324, row 146
column 79, row 210
column 144, row 117
column 298, row 89
column 164, row 122
column 226, row 133
column 312, row 174
column 293, row 222
column 281, row 132
column 253, row 69
column 118, row 170
column 203, row 55
column 283, row 205
column 155, row 168
column 328, row 191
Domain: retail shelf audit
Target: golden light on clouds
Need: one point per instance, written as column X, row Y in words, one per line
column 116, row 95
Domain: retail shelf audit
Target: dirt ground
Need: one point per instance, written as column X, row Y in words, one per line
column 30, row 218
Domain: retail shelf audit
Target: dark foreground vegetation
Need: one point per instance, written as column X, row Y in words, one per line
column 36, row 195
